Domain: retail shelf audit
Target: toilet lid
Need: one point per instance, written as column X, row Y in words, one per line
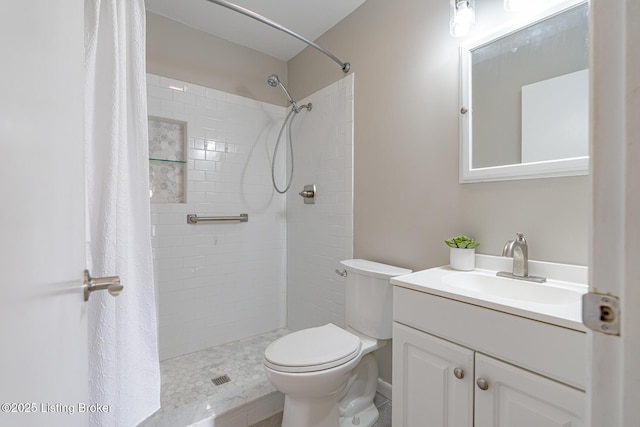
column 312, row 349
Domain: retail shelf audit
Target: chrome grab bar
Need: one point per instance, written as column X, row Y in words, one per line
column 194, row 219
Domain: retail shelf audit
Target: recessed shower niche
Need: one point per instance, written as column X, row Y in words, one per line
column 167, row 164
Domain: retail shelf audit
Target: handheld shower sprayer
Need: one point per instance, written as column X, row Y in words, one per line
column 274, row 81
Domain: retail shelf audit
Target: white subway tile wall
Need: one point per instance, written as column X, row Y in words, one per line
column 321, row 235
column 218, row 283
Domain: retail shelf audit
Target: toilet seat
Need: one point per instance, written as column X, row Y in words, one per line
column 313, row 349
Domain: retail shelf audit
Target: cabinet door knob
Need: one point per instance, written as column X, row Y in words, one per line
column 458, row 373
column 482, row 384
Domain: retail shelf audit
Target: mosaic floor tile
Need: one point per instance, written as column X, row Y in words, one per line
column 188, row 393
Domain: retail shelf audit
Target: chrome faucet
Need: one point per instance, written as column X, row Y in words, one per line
column 518, row 250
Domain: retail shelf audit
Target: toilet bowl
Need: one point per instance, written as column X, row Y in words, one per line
column 328, row 374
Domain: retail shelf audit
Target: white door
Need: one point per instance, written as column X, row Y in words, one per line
column 432, row 381
column 511, row 396
column 614, row 379
column 43, row 355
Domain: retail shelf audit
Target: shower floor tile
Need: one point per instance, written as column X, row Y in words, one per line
column 188, row 394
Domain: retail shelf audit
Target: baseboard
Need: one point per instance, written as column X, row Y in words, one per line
column 384, row 388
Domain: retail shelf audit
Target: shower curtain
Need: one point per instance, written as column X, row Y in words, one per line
column 124, row 370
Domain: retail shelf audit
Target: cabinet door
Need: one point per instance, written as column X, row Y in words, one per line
column 516, row 397
column 426, row 390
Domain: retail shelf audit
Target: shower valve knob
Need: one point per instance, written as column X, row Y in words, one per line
column 309, row 194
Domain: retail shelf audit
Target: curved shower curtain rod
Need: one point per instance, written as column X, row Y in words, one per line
column 344, row 65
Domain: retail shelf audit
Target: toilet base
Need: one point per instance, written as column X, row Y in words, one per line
column 349, row 406
column 324, row 413
column 310, row 412
column 364, row 418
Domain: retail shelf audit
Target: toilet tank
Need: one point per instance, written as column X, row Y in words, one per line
column 369, row 296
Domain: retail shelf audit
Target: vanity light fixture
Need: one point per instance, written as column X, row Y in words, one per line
column 461, row 17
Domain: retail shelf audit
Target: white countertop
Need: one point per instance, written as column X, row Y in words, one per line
column 566, row 312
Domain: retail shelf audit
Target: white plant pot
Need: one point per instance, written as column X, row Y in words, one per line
column 462, row 259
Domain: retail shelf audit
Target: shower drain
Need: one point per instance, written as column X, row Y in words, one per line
column 223, row 379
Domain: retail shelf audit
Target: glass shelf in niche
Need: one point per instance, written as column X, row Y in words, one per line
column 167, row 160
column 167, row 164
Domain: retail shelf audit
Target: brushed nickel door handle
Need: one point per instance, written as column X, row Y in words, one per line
column 91, row 284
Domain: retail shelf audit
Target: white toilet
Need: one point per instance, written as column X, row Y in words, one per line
column 328, row 374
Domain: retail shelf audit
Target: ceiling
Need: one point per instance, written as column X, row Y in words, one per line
column 308, row 18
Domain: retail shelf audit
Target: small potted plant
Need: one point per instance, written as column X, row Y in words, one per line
column 462, row 252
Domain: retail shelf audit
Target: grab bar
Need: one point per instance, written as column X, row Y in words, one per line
column 194, row 219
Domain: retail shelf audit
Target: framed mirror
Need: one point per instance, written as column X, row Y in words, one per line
column 524, row 109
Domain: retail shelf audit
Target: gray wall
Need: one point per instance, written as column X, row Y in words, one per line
column 407, row 198
column 183, row 53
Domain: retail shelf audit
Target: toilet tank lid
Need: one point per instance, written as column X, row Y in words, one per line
column 373, row 269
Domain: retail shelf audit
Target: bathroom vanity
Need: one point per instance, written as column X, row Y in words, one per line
column 473, row 349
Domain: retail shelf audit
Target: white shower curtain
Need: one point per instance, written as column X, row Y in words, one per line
column 124, row 369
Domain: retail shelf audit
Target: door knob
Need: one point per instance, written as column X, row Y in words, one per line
column 91, row 284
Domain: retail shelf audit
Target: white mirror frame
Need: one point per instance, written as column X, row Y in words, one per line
column 544, row 169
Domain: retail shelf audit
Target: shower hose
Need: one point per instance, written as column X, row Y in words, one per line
column 288, row 119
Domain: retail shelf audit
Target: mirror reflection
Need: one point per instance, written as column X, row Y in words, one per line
column 529, row 93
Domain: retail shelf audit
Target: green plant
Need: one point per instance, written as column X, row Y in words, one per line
column 462, row 242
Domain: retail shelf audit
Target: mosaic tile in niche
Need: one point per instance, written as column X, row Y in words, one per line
column 166, row 139
column 166, row 181
column 166, row 160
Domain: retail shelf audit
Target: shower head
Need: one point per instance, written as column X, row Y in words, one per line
column 274, row 81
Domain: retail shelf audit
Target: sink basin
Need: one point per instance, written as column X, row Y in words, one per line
column 550, row 292
column 558, row 301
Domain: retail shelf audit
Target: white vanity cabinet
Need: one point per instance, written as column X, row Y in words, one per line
column 516, row 397
column 457, row 364
column 432, row 381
